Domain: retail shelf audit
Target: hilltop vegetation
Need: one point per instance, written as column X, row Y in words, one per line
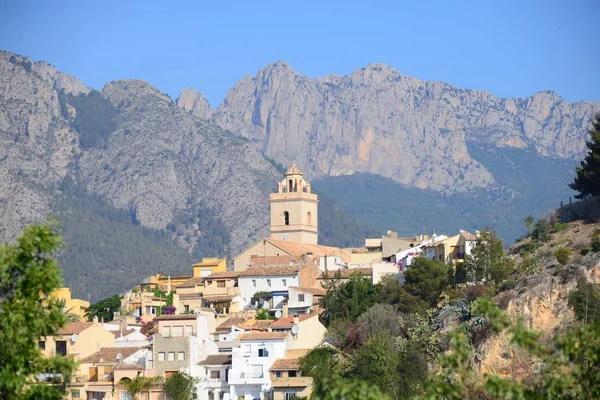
column 435, row 337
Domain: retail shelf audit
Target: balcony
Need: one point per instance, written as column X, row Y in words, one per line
column 297, row 381
column 241, row 378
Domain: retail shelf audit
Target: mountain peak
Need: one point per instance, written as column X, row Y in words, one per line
column 195, row 102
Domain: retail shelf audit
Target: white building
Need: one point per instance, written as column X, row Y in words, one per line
column 271, row 283
column 249, row 375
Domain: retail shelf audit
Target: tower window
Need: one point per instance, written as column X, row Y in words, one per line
column 309, row 219
column 286, row 216
column 291, row 186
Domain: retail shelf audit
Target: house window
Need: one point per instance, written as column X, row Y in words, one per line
column 189, row 330
column 125, row 396
column 220, row 283
column 167, row 331
column 254, row 282
column 75, row 394
column 181, row 356
column 268, row 282
column 301, row 298
column 42, row 344
column 263, row 353
column 286, row 217
column 284, row 282
column 61, row 348
column 215, row 374
column 171, row 356
column 289, row 396
column 186, row 308
column 161, row 356
column 178, row 331
column 292, row 374
column 277, row 374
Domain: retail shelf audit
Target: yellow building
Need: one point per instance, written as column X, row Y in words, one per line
column 294, row 209
column 72, row 306
column 209, row 266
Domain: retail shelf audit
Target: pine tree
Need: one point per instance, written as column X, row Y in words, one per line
column 587, row 181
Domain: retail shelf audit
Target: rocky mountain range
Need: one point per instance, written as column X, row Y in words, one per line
column 198, row 178
column 378, row 121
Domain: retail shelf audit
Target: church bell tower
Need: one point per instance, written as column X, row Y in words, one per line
column 294, row 209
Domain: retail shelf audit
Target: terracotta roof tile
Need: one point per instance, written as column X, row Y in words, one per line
column 271, row 271
column 226, row 325
column 190, row 296
column 221, row 275
column 264, row 336
column 74, row 327
column 129, row 366
column 318, row 291
column 297, row 249
column 293, row 170
column 125, row 332
column 289, row 321
column 469, row 236
column 258, row 324
column 192, row 282
column 109, row 354
column 217, row 359
column 218, row 298
column 208, row 263
column 286, row 364
column 273, row 261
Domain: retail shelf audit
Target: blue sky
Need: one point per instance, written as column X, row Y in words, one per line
column 510, row 48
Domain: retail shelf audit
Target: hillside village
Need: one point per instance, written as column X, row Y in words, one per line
column 241, row 331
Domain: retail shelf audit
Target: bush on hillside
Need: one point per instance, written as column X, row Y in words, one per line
column 585, row 300
column 562, row 255
column 541, row 231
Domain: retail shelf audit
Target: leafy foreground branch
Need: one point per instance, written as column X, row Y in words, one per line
column 570, row 364
column 28, row 270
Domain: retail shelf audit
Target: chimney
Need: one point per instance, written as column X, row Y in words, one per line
column 296, row 320
column 393, row 235
column 95, row 320
column 285, row 309
column 123, row 325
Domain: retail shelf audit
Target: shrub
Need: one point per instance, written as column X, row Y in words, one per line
column 584, row 251
column 596, row 240
column 476, row 291
column 508, row 284
column 562, row 255
column 541, row 231
column 585, row 300
column 559, row 227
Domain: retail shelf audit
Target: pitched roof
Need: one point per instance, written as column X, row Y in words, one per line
column 346, row 273
column 208, row 262
column 226, row 325
column 271, row 271
column 288, row 322
column 286, row 364
column 222, row 275
column 109, row 354
column 217, row 359
column 469, row 236
column 272, row 261
column 218, row 298
column 297, row 249
column 192, row 282
column 317, row 291
column 293, row 170
column 74, row 327
column 264, row 336
column 126, row 332
column 176, row 317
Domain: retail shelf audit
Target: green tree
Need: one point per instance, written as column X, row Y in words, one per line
column 541, row 231
column 487, row 260
column 426, row 279
column 28, row 271
column 587, row 181
column 321, row 365
column 585, row 300
column 140, row 384
column 347, row 300
column 180, row 386
column 380, row 318
column 529, row 222
column 352, row 390
column 104, row 309
column 389, row 291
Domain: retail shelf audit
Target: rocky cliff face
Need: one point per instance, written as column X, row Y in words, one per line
column 379, row 121
column 162, row 160
column 36, row 143
column 196, row 103
column 160, row 163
